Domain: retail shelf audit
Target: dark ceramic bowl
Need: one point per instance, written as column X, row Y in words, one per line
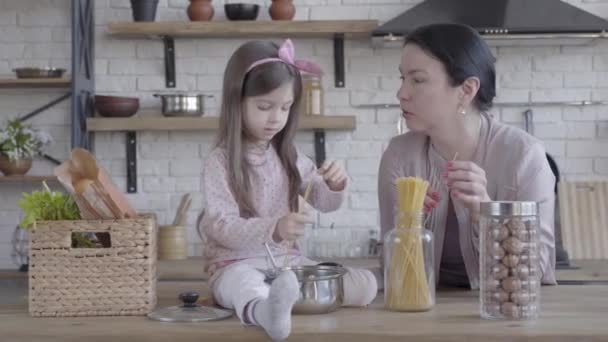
column 241, row 11
column 106, row 98
column 116, row 107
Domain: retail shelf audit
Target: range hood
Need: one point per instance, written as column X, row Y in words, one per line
column 500, row 19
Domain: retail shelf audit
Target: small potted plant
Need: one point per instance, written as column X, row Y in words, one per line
column 19, row 143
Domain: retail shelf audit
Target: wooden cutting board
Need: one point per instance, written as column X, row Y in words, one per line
column 584, row 218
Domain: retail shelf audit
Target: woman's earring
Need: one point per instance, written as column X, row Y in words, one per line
column 462, row 111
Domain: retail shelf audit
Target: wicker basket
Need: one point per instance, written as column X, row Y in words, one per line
column 115, row 281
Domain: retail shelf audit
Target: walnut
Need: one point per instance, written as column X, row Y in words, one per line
column 522, row 271
column 500, row 232
column 515, row 225
column 500, row 271
column 497, row 296
column 503, row 296
column 511, row 284
column 510, row 310
column 513, row 245
column 496, row 251
column 510, row 260
column 520, row 297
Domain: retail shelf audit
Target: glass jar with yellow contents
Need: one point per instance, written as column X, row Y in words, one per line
column 313, row 100
column 409, row 281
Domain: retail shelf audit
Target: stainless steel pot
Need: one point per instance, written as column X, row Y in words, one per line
column 321, row 288
column 183, row 104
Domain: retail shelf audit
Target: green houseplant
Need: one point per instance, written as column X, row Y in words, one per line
column 19, row 143
column 47, row 205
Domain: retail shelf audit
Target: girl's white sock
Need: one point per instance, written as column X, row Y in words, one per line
column 360, row 287
column 274, row 313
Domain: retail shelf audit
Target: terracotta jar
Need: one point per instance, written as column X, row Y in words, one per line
column 14, row 168
column 282, row 10
column 200, row 10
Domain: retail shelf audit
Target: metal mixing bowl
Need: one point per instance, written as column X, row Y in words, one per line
column 181, row 104
column 321, row 288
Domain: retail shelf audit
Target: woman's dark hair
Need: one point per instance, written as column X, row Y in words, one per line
column 463, row 53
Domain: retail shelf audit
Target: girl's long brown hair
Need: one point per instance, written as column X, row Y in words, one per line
column 239, row 84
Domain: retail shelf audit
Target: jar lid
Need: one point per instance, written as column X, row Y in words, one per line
column 514, row 208
column 309, row 76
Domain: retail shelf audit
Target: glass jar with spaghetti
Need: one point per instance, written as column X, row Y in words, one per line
column 409, row 280
column 509, row 260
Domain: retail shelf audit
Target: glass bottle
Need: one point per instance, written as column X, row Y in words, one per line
column 509, row 260
column 313, row 98
column 409, row 279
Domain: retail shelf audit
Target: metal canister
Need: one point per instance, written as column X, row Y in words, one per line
column 172, row 243
column 509, row 260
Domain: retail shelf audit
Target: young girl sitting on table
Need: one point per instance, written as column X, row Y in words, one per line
column 251, row 183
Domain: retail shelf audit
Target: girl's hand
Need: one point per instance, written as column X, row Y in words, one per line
column 467, row 182
column 291, row 226
column 334, row 175
column 430, row 201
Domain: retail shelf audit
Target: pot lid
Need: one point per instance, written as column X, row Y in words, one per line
column 189, row 311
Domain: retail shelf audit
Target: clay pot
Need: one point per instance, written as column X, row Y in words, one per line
column 14, row 168
column 200, row 10
column 282, row 10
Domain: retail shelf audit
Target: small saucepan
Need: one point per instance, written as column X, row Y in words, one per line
column 183, row 104
column 321, row 288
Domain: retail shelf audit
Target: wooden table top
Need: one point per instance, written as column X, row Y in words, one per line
column 569, row 313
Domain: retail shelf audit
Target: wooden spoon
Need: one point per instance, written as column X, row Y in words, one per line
column 85, row 164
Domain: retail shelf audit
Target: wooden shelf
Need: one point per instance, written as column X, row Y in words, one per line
column 26, row 179
column 35, row 83
column 156, row 123
column 337, row 30
column 244, row 29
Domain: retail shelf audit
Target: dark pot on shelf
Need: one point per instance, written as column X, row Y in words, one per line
column 144, row 10
column 241, row 11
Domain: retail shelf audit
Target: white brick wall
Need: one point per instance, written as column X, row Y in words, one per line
column 38, row 33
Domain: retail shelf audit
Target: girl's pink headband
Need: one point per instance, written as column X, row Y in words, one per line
column 286, row 55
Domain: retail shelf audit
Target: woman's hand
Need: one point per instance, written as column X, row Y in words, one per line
column 467, row 183
column 430, row 201
column 334, row 175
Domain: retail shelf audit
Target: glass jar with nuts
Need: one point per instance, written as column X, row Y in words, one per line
column 509, row 260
